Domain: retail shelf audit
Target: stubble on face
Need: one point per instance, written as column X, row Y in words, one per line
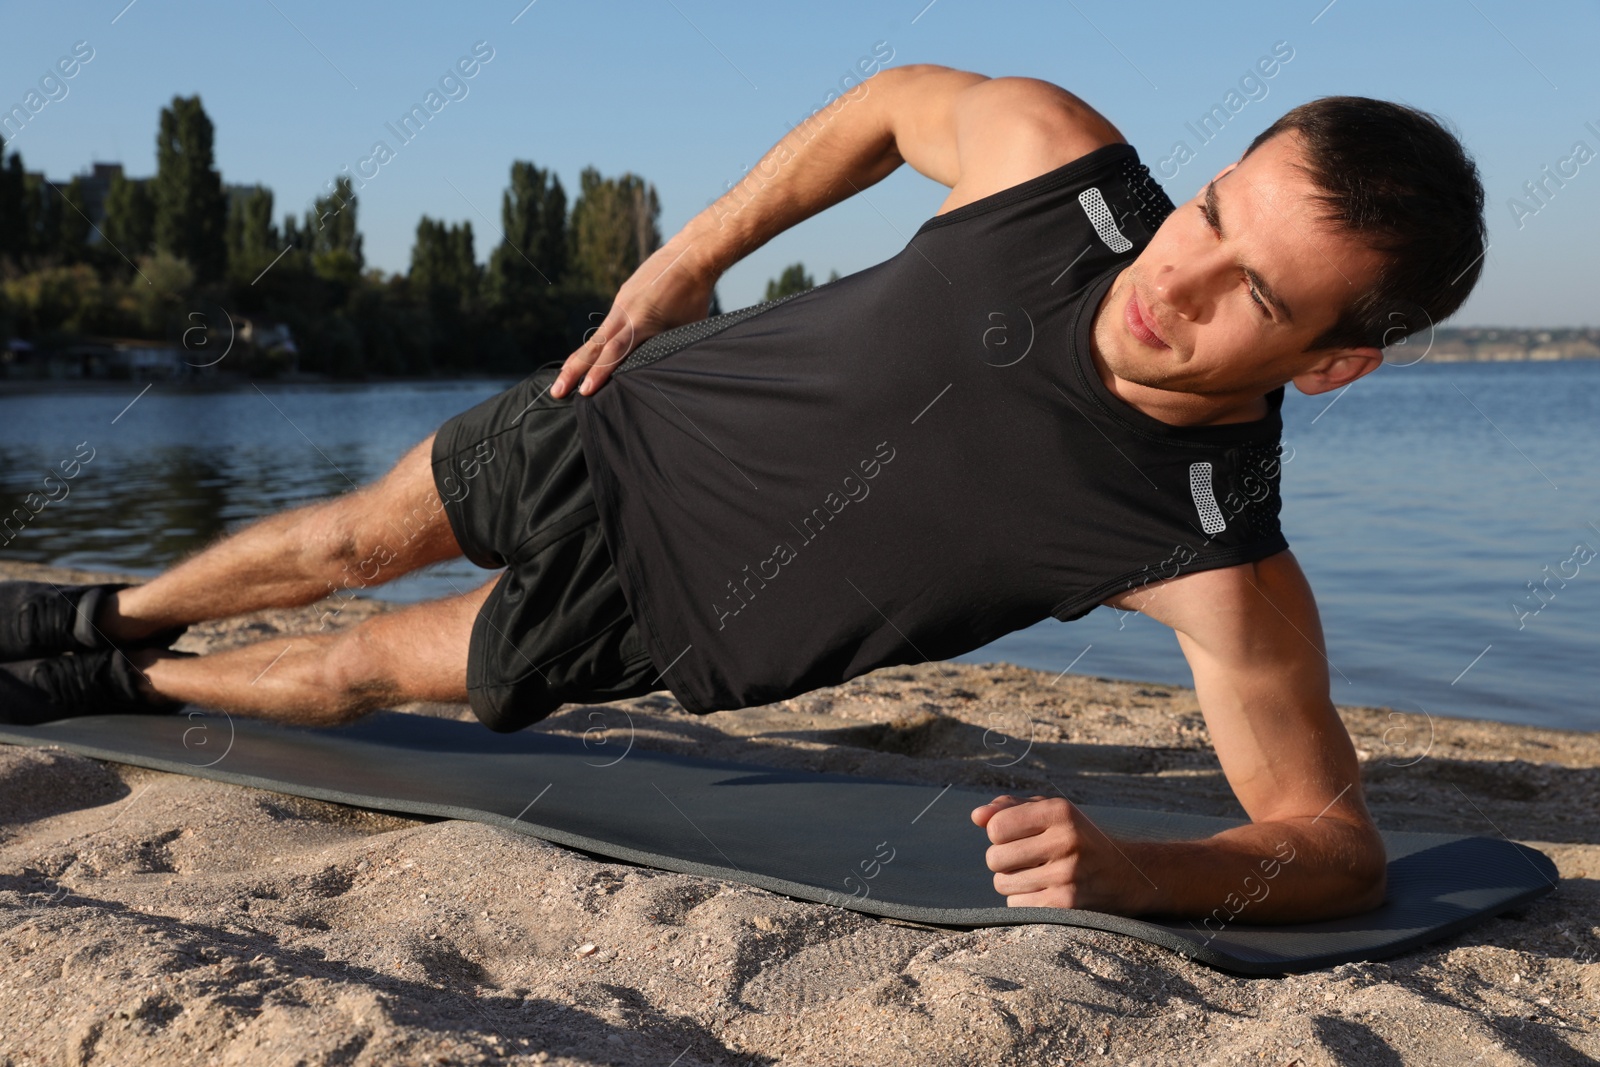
column 1129, row 360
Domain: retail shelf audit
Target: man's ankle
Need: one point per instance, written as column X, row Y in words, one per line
column 118, row 626
column 143, row 660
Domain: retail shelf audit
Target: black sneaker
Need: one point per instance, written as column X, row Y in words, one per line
column 79, row 683
column 44, row 619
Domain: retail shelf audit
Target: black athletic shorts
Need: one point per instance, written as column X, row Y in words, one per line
column 555, row 629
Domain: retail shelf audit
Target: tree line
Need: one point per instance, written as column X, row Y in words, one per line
column 179, row 240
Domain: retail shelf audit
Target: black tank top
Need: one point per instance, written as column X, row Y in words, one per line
column 909, row 462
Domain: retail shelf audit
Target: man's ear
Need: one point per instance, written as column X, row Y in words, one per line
column 1337, row 368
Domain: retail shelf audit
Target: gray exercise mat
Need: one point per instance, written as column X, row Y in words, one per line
column 896, row 849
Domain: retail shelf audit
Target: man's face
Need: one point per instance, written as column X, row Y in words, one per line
column 1234, row 286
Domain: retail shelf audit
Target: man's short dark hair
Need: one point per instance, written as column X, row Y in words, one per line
column 1396, row 178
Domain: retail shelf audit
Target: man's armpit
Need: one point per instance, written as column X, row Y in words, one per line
column 1198, row 602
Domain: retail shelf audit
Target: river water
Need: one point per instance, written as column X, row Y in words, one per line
column 1422, row 503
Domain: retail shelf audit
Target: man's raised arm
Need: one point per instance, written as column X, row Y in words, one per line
column 1311, row 851
column 972, row 133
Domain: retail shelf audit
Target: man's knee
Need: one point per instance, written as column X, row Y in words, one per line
column 328, row 537
column 367, row 538
column 358, row 674
column 393, row 525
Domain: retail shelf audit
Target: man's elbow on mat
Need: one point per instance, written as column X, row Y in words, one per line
column 1357, row 872
column 1371, row 872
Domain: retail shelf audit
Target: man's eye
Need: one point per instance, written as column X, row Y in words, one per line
column 1206, row 215
column 1254, row 295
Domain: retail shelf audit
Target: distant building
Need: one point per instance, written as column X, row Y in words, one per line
column 271, row 348
column 266, row 335
column 234, row 191
column 152, row 360
column 97, row 358
column 1450, row 351
column 18, row 359
column 1580, row 348
column 96, row 186
column 1502, row 351
column 1474, row 344
column 88, row 359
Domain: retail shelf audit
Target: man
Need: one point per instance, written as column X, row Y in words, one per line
column 1061, row 393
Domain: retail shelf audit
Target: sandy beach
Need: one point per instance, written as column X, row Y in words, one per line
column 151, row 918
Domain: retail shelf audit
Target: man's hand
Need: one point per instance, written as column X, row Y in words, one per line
column 1310, row 851
column 671, row 288
column 1047, row 854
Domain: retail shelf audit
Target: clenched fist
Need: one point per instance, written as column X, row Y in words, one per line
column 1047, row 854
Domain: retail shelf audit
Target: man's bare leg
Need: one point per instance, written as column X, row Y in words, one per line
column 366, row 537
column 417, row 652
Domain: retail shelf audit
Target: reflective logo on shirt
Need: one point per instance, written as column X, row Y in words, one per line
column 1205, row 500
column 1100, row 217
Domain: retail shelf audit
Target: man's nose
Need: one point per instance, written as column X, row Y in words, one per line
column 1187, row 288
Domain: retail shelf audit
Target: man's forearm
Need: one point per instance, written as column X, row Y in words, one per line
column 1264, row 872
column 840, row 149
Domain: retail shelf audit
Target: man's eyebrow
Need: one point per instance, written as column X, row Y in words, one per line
column 1261, row 284
column 1211, row 206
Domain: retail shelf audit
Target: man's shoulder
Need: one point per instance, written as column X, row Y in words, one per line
column 1012, row 130
column 1106, row 196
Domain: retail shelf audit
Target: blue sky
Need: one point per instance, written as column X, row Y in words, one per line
column 688, row 93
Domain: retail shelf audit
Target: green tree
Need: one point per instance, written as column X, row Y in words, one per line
column 444, row 272
column 332, row 237
column 294, row 238
column 794, row 279
column 445, row 280
column 59, row 298
column 394, row 332
column 47, row 211
column 70, row 241
column 527, row 287
column 18, row 209
column 129, row 223
column 314, row 286
column 614, row 229
column 190, row 215
column 159, row 303
column 252, row 239
column 533, row 255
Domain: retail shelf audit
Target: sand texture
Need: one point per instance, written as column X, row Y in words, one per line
column 149, row 918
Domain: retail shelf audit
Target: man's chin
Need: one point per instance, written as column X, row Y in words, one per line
column 1144, row 366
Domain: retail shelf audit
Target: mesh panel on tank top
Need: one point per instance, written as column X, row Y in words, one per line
column 667, row 342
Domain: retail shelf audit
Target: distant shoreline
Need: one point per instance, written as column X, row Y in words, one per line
column 40, row 386
column 1499, row 344
column 27, row 386
column 1459, row 353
